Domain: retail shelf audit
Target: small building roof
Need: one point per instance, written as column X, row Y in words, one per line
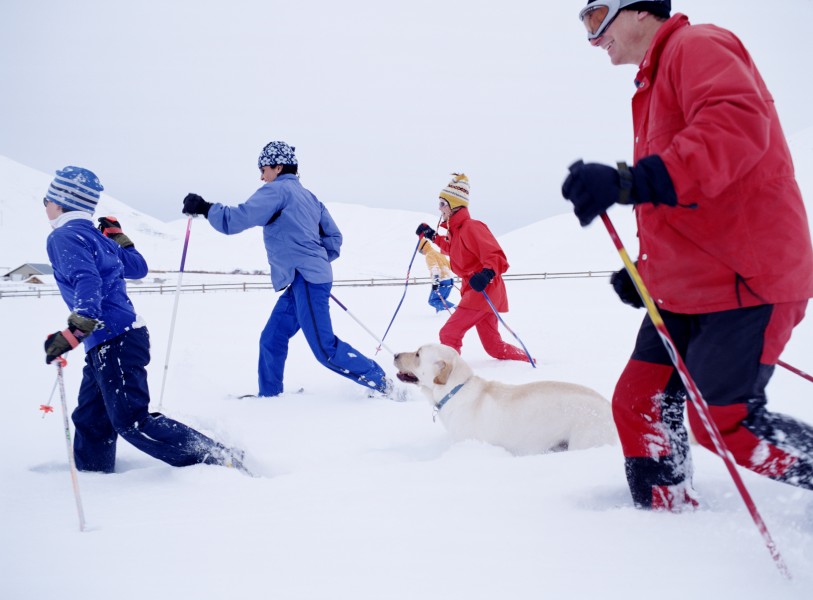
column 32, row 269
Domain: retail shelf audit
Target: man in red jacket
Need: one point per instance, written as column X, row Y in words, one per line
column 477, row 258
column 725, row 248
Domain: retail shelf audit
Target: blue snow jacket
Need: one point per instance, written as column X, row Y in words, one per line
column 90, row 270
column 299, row 233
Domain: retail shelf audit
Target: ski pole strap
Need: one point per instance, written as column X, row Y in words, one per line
column 625, row 179
column 70, row 338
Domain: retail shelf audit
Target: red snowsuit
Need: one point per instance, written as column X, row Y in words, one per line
column 731, row 266
column 707, row 113
column 471, row 247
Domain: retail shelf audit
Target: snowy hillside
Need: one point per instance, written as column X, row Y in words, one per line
column 382, row 248
column 361, row 498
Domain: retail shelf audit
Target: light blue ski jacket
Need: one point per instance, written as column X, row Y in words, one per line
column 89, row 270
column 299, row 233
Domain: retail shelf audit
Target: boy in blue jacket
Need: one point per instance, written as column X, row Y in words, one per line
column 90, row 266
column 301, row 240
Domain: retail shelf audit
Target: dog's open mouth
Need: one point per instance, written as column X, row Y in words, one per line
column 406, row 377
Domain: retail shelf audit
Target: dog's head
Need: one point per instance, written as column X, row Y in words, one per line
column 431, row 365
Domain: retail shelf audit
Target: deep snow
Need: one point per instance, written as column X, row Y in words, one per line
column 359, row 497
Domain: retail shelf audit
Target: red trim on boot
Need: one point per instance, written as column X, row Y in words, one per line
column 673, row 498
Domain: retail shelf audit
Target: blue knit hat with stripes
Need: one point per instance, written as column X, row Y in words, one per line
column 75, row 188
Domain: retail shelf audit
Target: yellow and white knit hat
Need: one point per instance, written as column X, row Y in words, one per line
column 457, row 192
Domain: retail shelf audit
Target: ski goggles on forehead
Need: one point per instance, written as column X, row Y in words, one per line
column 598, row 16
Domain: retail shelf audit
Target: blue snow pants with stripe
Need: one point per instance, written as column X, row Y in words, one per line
column 438, row 299
column 113, row 401
column 304, row 305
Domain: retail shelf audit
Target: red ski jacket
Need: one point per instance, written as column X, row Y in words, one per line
column 739, row 235
column 471, row 248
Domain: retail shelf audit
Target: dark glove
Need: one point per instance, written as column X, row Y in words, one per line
column 195, row 205
column 435, row 283
column 625, row 288
column 593, row 188
column 424, row 230
column 110, row 227
column 57, row 344
column 60, row 342
column 480, row 280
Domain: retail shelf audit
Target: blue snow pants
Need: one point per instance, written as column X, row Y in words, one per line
column 438, row 298
column 305, row 305
column 113, row 401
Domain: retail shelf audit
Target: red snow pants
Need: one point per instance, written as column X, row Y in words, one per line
column 463, row 319
column 731, row 356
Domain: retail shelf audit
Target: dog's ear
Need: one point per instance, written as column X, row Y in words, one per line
column 444, row 369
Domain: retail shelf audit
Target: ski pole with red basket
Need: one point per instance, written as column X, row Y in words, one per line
column 60, row 362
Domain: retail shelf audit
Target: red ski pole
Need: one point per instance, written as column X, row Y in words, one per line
column 792, row 369
column 696, row 397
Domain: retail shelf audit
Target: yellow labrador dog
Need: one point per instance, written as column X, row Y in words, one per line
column 536, row 417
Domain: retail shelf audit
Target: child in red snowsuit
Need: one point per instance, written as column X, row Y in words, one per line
column 477, row 258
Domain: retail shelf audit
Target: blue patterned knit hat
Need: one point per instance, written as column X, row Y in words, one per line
column 75, row 188
column 277, row 153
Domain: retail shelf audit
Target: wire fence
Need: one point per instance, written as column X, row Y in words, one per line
column 43, row 290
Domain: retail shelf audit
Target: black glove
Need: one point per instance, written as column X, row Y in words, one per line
column 480, row 280
column 56, row 345
column 195, row 205
column 435, row 283
column 60, row 342
column 593, row 188
column 625, row 288
column 110, row 227
column 424, row 230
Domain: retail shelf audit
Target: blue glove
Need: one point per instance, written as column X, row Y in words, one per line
column 593, row 188
column 480, row 280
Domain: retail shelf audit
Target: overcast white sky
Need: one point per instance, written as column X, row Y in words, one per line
column 382, row 99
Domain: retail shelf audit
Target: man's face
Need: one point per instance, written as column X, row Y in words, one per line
column 623, row 39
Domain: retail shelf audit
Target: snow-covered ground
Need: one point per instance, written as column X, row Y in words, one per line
column 357, row 497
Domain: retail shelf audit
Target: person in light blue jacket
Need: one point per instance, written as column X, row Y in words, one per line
column 301, row 240
column 90, row 266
